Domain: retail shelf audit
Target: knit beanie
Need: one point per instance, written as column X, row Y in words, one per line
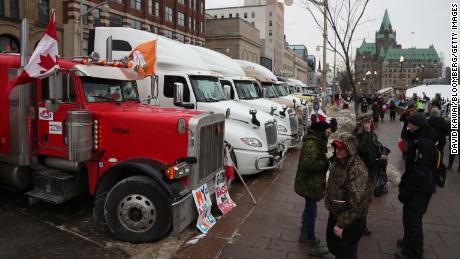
column 419, row 120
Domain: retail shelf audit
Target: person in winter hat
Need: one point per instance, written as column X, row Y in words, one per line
column 310, row 180
column 348, row 197
column 417, row 185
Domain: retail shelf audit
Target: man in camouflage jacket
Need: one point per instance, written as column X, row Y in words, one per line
column 310, row 181
column 348, row 196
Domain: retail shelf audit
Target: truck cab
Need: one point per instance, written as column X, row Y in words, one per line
column 242, row 89
column 269, row 87
column 84, row 130
column 250, row 134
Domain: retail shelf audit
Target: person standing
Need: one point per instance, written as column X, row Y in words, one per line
column 441, row 129
column 310, row 180
column 348, row 196
column 392, row 108
column 417, row 185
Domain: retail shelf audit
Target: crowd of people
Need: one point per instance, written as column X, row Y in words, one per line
column 357, row 173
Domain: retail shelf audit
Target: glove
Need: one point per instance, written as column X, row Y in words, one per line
column 404, row 195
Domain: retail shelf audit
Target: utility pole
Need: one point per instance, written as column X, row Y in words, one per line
column 325, row 47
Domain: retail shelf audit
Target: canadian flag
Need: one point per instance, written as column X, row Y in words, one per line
column 229, row 170
column 44, row 59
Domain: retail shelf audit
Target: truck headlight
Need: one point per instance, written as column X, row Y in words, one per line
column 253, row 142
column 281, row 128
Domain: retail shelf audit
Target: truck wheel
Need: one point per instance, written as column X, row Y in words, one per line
column 137, row 210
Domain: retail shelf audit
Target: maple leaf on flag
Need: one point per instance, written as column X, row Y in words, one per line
column 46, row 62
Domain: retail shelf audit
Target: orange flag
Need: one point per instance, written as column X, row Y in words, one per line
column 143, row 58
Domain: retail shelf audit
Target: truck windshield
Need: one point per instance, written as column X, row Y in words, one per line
column 280, row 90
column 246, row 90
column 106, row 90
column 207, row 89
column 308, row 92
column 271, row 92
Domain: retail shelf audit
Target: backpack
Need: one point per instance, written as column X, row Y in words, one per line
column 440, row 172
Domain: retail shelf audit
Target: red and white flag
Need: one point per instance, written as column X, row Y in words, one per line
column 44, row 59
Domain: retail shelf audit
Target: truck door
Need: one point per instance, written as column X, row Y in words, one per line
column 167, row 93
column 51, row 125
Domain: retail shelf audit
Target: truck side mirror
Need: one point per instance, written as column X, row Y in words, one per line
column 55, row 92
column 264, row 93
column 227, row 91
column 178, row 94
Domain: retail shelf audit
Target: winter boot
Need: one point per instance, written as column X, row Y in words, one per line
column 315, row 250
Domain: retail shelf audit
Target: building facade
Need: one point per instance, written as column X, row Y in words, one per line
column 311, row 62
column 268, row 17
column 386, row 64
column 37, row 13
column 234, row 37
column 181, row 20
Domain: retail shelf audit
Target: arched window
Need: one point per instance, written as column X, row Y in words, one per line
column 9, row 44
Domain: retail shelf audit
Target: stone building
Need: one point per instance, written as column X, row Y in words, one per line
column 268, row 17
column 386, row 64
column 181, row 20
column 234, row 37
column 37, row 13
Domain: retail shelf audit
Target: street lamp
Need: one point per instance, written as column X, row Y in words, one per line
column 106, row 6
column 401, row 61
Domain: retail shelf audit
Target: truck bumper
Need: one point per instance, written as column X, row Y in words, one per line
column 253, row 162
column 291, row 141
column 184, row 211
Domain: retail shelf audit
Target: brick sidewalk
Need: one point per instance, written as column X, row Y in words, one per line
column 271, row 228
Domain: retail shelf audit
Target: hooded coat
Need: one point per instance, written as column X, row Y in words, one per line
column 348, row 191
column 310, row 180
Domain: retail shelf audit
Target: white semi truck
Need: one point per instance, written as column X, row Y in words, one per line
column 273, row 89
column 184, row 81
column 242, row 89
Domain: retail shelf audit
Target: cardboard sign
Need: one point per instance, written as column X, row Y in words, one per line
column 224, row 202
column 44, row 114
column 203, row 204
column 55, row 127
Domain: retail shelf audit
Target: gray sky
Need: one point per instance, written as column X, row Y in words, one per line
column 428, row 19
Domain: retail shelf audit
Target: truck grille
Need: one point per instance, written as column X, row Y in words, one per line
column 272, row 134
column 211, row 149
column 294, row 123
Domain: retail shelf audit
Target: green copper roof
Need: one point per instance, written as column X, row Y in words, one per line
column 386, row 23
column 366, row 48
column 382, row 53
column 412, row 54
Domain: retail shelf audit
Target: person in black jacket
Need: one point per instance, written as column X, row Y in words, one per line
column 417, row 185
column 441, row 129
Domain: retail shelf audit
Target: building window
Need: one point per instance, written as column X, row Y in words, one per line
column 155, row 30
column 270, row 33
column 180, row 19
column 270, row 23
column 230, row 15
column 270, row 14
column 245, row 15
column 190, row 22
column 135, row 24
column 136, row 4
column 8, row 44
column 168, row 34
column 237, row 15
column 84, row 18
column 157, row 8
column 181, row 2
column 117, row 1
column 1, row 8
column 190, row 4
column 215, row 16
column 168, row 14
column 194, row 24
column 180, row 38
column 202, row 7
column 115, row 20
column 14, row 8
column 253, row 14
column 43, row 11
column 201, row 27
column 96, row 17
column 150, row 7
column 222, row 16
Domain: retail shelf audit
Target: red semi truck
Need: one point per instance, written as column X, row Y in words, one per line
column 84, row 130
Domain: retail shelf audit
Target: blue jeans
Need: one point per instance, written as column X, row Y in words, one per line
column 308, row 219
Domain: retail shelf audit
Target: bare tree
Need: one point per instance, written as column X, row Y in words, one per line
column 343, row 17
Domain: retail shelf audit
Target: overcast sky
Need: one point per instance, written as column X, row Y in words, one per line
column 428, row 19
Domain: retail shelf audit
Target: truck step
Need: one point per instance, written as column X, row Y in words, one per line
column 57, row 186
